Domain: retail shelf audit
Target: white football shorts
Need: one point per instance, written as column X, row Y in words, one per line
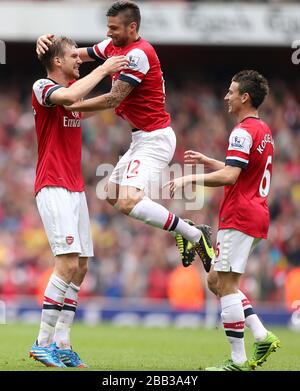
column 66, row 221
column 148, row 155
column 233, row 250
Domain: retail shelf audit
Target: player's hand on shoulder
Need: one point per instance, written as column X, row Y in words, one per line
column 115, row 64
column 43, row 42
column 193, row 157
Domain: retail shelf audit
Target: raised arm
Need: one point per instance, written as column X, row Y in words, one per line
column 78, row 90
column 119, row 91
column 84, row 55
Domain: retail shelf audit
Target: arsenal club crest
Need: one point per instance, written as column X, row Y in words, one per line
column 69, row 240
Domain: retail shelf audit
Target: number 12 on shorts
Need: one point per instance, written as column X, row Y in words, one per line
column 132, row 169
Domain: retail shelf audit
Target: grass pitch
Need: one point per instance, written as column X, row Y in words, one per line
column 107, row 347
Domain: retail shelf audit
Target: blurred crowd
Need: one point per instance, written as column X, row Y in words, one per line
column 132, row 259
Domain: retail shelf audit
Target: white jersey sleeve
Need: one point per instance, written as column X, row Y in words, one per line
column 240, row 143
column 138, row 67
column 98, row 50
column 42, row 89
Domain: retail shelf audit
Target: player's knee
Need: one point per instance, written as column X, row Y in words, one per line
column 66, row 266
column 220, row 288
column 225, row 288
column 212, row 282
column 112, row 193
column 212, row 285
column 82, row 269
column 111, row 201
column 71, row 267
column 126, row 205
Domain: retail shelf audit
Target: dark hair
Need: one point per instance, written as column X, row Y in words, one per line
column 254, row 84
column 129, row 10
column 57, row 49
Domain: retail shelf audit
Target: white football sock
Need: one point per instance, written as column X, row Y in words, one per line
column 157, row 215
column 234, row 323
column 252, row 320
column 66, row 317
column 52, row 305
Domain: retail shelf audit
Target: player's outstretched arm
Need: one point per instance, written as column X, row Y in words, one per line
column 44, row 41
column 193, row 157
column 226, row 176
column 120, row 90
column 84, row 56
column 78, row 90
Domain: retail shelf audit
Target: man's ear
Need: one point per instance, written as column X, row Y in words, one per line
column 133, row 26
column 57, row 61
column 246, row 97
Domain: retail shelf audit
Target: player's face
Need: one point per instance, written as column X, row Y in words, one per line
column 118, row 31
column 71, row 62
column 233, row 98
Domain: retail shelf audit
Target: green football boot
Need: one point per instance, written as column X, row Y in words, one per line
column 229, row 365
column 204, row 247
column 186, row 248
column 263, row 349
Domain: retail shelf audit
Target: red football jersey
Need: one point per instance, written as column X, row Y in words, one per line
column 245, row 206
column 144, row 107
column 59, row 141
